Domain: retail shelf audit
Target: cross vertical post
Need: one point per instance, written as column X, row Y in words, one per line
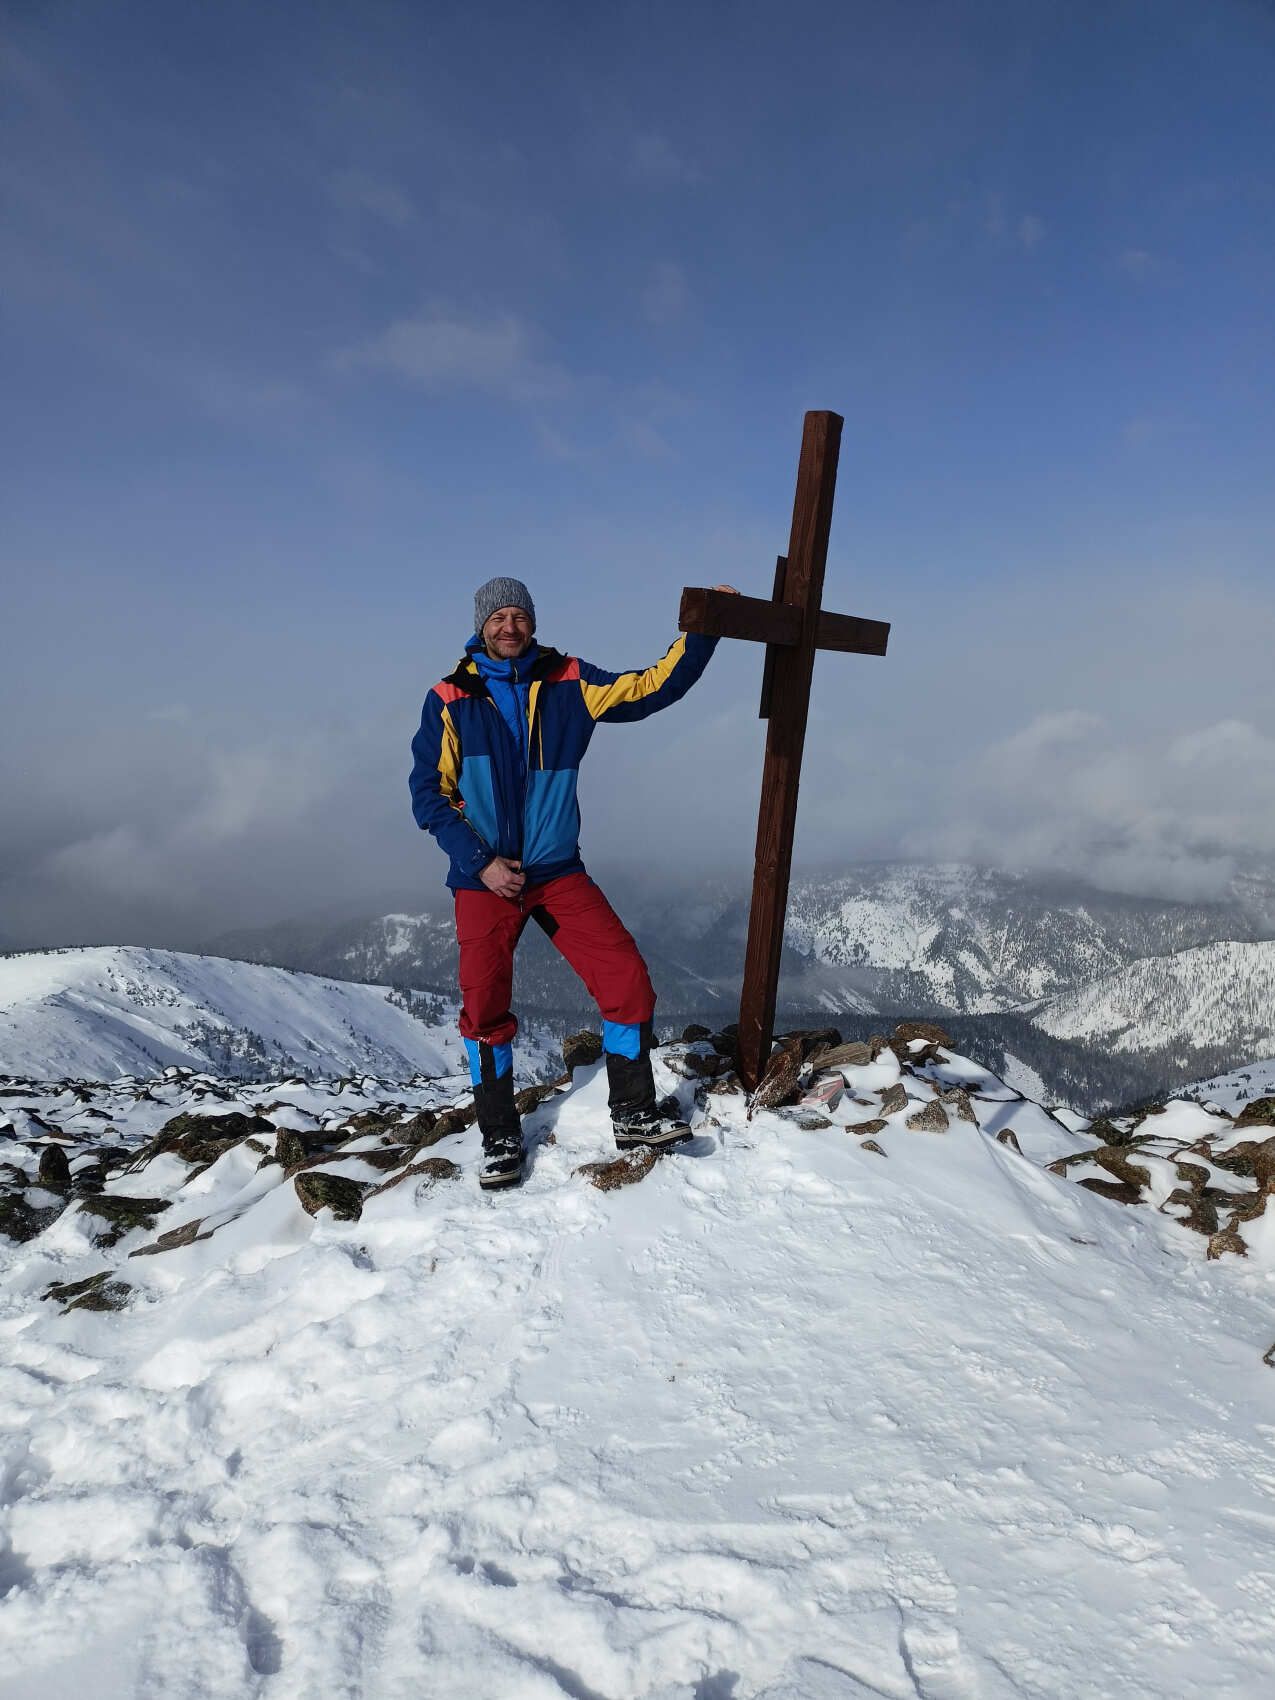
column 789, row 702
column 792, row 625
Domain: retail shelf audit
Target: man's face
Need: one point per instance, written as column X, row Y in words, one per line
column 507, row 633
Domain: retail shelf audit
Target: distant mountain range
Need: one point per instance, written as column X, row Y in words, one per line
column 109, row 1011
column 1095, row 992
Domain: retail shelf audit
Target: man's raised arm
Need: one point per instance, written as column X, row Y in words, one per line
column 632, row 696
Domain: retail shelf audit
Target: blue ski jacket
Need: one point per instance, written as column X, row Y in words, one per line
column 495, row 770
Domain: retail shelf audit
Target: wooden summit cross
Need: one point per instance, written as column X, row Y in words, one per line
column 792, row 625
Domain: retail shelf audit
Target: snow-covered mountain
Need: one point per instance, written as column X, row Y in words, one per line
column 897, row 938
column 102, row 1012
column 974, row 940
column 881, row 1399
column 1214, row 995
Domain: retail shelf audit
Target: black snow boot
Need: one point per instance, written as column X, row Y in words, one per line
column 636, row 1117
column 500, row 1125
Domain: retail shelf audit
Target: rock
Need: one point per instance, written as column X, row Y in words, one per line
column 54, row 1171
column 930, row 1118
column 853, row 1055
column 121, row 1215
column 580, row 1050
column 376, row 1121
column 1007, row 1136
column 1259, row 1113
column 894, row 1099
column 697, row 1065
column 1229, row 1239
column 291, row 1149
column 174, row 1239
column 871, row 1145
column 907, row 1031
column 959, row 1100
column 417, row 1131
column 1250, row 1157
column 434, row 1169
column 779, row 1081
column 1108, row 1134
column 1120, row 1191
column 815, row 1039
column 385, row 1157
column 1248, row 1209
column 694, row 1033
column 726, row 1043
column 877, row 1042
column 873, row 1126
column 20, row 1221
column 1114, row 1159
column 1201, row 1213
column 531, row 1097
column 97, row 1292
column 624, row 1170
column 808, row 1120
column 320, row 1190
column 728, row 1083
column 452, row 1121
column 201, row 1139
column 429, row 1170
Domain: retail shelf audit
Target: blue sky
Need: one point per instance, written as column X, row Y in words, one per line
column 314, row 316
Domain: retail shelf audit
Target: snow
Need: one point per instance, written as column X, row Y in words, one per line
column 788, row 1420
column 1023, row 1078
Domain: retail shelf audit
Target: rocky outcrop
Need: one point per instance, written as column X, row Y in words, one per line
column 319, row 1190
column 113, row 1215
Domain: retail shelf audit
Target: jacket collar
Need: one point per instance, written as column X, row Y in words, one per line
column 517, row 671
column 467, row 677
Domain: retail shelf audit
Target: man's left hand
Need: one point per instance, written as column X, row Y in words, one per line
column 728, row 588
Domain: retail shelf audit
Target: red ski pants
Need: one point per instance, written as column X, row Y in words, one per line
column 582, row 925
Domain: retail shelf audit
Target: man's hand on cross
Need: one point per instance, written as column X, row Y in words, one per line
column 504, row 877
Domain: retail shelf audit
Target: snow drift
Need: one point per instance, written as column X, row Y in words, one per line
column 833, row 1404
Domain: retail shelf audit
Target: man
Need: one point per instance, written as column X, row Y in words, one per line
column 496, row 761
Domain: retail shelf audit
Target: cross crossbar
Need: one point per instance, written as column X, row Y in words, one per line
column 716, row 613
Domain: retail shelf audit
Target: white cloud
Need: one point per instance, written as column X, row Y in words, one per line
column 354, row 191
column 646, row 440
column 440, row 349
column 1068, row 793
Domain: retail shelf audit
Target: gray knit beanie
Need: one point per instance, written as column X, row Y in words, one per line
column 501, row 593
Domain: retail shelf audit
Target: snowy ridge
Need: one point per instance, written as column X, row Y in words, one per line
column 108, row 1011
column 1215, row 994
column 829, row 1406
column 1239, row 1086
